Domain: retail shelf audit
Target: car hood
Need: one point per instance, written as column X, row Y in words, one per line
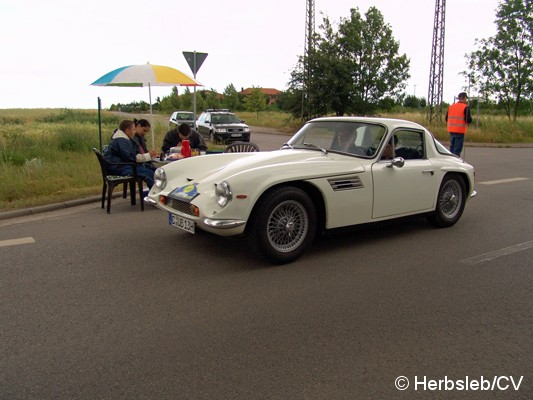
column 273, row 166
column 230, row 125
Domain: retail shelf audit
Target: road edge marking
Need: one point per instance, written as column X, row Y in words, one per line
column 497, row 253
column 15, row 242
column 508, row 180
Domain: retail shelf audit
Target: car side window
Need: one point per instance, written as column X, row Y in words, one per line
column 410, row 144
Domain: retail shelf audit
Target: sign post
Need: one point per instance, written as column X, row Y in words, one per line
column 195, row 61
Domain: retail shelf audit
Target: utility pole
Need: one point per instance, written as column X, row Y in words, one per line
column 436, row 74
column 308, row 47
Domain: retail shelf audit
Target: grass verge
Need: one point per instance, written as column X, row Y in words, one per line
column 46, row 156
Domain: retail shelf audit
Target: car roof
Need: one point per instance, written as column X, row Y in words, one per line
column 391, row 122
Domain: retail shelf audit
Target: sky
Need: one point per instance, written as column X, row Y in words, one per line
column 53, row 50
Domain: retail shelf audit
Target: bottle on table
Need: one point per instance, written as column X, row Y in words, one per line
column 185, row 148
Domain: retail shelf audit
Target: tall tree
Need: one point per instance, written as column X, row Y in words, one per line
column 170, row 103
column 354, row 68
column 187, row 99
column 231, row 97
column 212, row 99
column 255, row 101
column 377, row 69
column 502, row 67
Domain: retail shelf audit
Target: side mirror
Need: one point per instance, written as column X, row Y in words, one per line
column 397, row 162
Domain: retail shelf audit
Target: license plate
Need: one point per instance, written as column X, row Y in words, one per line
column 236, row 135
column 182, row 223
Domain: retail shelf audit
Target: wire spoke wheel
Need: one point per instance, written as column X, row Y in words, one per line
column 287, row 226
column 283, row 224
column 450, row 199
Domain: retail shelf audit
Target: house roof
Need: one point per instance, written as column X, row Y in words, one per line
column 267, row 91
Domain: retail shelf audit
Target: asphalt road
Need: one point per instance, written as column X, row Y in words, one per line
column 123, row 306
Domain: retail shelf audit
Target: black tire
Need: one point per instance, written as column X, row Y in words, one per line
column 283, row 225
column 450, row 202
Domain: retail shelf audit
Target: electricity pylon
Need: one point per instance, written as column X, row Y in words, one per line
column 308, row 47
column 436, row 74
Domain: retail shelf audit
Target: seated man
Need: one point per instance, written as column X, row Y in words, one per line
column 122, row 148
column 388, row 152
column 344, row 140
column 183, row 132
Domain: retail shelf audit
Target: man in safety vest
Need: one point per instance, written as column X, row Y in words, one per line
column 458, row 118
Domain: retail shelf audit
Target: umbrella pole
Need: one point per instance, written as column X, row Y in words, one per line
column 151, row 115
column 99, row 123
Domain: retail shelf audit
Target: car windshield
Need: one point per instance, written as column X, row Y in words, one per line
column 225, row 119
column 352, row 137
column 187, row 116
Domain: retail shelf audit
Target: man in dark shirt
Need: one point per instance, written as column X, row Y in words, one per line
column 183, row 132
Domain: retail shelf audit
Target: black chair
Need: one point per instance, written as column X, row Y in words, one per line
column 111, row 181
column 241, row 147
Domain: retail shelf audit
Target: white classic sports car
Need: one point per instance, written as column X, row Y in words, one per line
column 334, row 172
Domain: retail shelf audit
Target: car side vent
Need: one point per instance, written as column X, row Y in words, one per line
column 346, row 183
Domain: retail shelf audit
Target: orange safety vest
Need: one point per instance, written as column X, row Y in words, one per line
column 456, row 118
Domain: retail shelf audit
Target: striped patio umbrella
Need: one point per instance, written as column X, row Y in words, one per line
column 146, row 75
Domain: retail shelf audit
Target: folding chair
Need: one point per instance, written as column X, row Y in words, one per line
column 241, row 147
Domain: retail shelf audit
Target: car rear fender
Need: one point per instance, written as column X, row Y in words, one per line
column 464, row 175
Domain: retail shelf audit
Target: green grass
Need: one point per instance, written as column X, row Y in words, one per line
column 282, row 121
column 46, row 156
column 484, row 128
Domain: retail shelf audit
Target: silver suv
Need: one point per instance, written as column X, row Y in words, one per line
column 180, row 117
column 221, row 125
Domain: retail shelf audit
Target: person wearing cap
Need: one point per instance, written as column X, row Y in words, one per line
column 458, row 118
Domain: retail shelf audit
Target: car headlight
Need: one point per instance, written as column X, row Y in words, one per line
column 246, row 129
column 223, row 193
column 221, row 130
column 160, row 178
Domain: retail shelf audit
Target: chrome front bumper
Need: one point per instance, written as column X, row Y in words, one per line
column 209, row 222
column 150, row 201
column 223, row 223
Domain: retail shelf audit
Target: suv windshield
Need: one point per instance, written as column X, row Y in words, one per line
column 225, row 119
column 357, row 138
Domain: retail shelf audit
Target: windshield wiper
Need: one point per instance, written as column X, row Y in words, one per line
column 314, row 146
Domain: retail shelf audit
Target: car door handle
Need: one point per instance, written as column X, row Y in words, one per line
column 428, row 171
